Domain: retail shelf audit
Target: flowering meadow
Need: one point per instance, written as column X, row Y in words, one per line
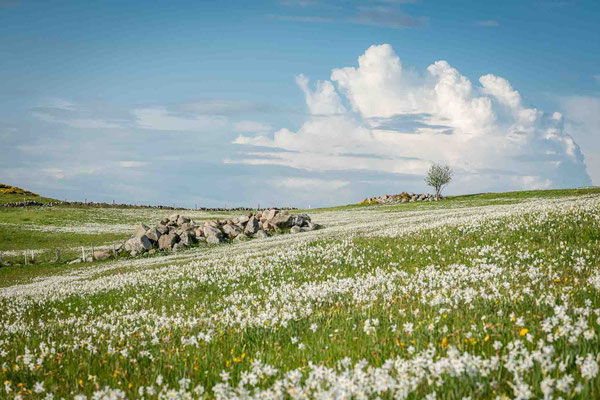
column 489, row 301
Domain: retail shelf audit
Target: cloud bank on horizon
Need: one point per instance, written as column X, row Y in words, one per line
column 384, row 117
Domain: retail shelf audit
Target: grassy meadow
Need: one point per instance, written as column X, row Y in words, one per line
column 480, row 296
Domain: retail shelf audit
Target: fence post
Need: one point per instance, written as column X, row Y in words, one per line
column 26, row 263
column 57, row 256
column 82, row 254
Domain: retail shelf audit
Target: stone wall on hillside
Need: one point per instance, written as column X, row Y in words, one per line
column 403, row 197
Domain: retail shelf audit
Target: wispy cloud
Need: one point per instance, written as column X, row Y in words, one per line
column 226, row 107
column 386, row 14
column 299, row 3
column 251, row 126
column 132, row 164
column 162, row 119
column 597, row 78
column 386, row 17
column 300, row 18
column 64, row 112
column 488, row 22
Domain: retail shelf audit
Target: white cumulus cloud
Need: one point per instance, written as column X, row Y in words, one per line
column 323, row 100
column 402, row 120
column 583, row 122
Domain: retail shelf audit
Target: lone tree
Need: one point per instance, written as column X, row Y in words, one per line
column 437, row 177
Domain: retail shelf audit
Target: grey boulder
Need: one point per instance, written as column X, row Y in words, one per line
column 282, row 220
column 214, row 239
column 231, row 230
column 261, row 234
column 211, row 231
column 187, row 238
column 269, row 214
column 182, row 220
column 162, row 229
column 166, row 242
column 252, row 226
column 138, row 244
column 179, row 246
column 242, row 219
column 153, row 234
column 140, row 230
column 302, row 219
column 101, row 255
column 241, row 238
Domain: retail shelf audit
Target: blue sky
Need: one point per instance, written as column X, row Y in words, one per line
column 201, row 103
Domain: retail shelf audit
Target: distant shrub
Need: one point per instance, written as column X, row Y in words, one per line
column 437, row 177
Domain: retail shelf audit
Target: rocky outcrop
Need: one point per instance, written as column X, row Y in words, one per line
column 178, row 232
column 403, row 197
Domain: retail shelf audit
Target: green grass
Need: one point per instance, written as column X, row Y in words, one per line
column 339, row 320
column 18, row 198
column 43, row 264
column 469, row 200
column 529, row 194
column 14, row 238
column 542, row 256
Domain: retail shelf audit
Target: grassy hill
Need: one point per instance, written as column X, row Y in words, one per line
column 488, row 296
column 14, row 194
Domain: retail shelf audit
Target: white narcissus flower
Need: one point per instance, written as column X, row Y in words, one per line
column 589, row 367
column 38, row 387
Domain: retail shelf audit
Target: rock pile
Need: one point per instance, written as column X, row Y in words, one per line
column 403, row 197
column 178, row 232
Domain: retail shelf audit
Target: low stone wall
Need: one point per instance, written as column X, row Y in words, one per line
column 33, row 203
column 30, row 203
column 403, row 197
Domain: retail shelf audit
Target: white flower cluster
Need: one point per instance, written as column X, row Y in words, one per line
column 481, row 300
